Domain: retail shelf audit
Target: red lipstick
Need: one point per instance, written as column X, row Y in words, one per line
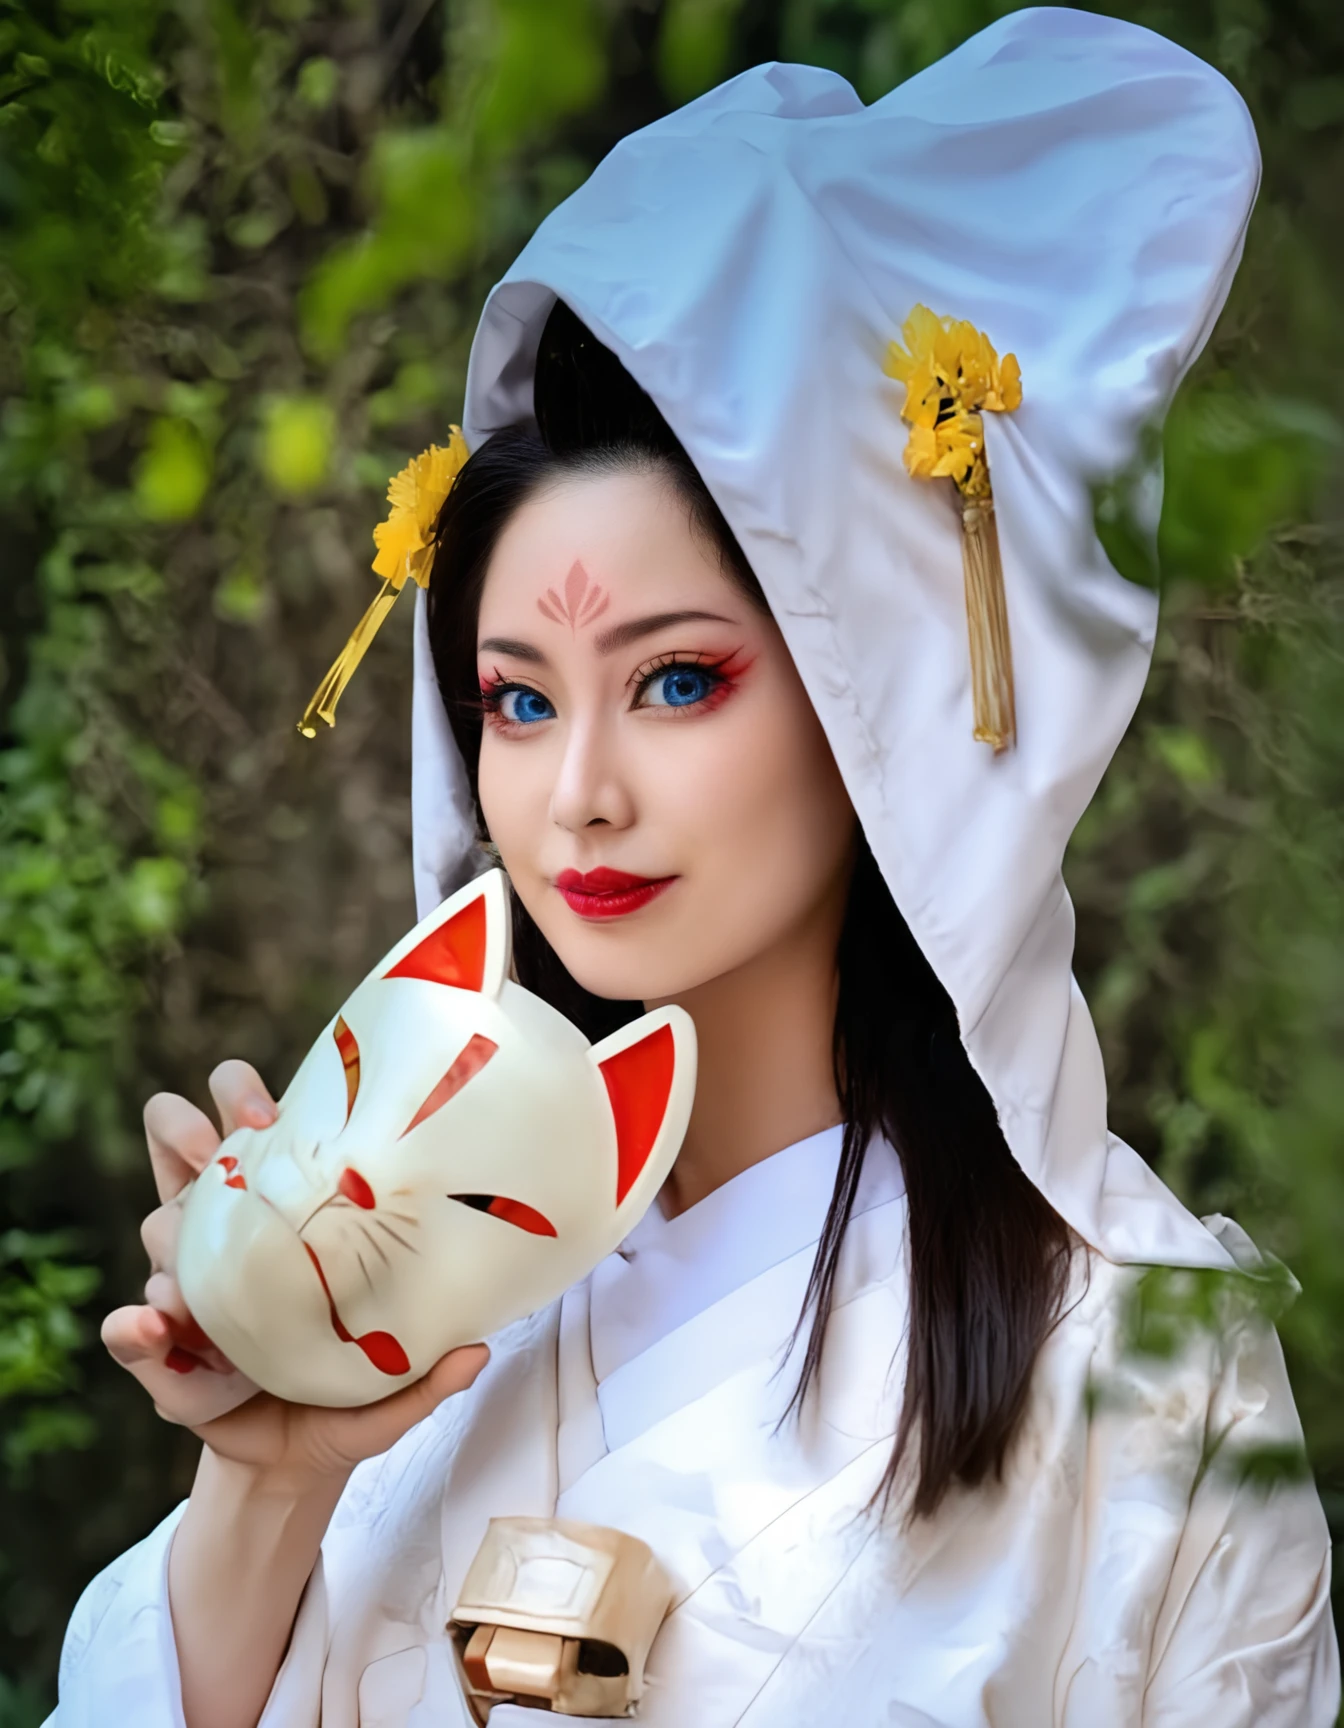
column 607, row 893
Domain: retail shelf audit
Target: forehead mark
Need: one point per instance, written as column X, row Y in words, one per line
column 583, row 600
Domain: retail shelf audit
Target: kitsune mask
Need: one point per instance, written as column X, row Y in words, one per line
column 451, row 1155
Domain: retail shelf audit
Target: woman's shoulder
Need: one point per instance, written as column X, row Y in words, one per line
column 1183, row 1351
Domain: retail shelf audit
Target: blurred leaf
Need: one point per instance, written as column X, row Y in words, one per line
column 182, row 271
column 1267, row 1467
column 154, row 893
column 1187, row 754
column 307, row 193
column 1125, row 511
column 694, row 43
column 1233, row 467
column 237, row 64
column 173, row 474
column 297, row 442
column 420, row 183
column 177, row 817
column 240, row 597
column 317, row 83
column 1237, row 466
column 42, row 1430
column 1170, row 1307
column 252, row 229
column 172, row 134
column 39, row 1328
column 549, row 61
column 23, row 1704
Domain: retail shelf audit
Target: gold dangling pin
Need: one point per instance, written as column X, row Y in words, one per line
column 952, row 375
column 406, row 546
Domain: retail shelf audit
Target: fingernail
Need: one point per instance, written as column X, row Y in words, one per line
column 181, row 1361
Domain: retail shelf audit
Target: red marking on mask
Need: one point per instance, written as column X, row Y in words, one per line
column 338, row 1325
column 583, row 600
column 191, row 1349
column 525, row 1217
column 188, row 1334
column 381, row 1348
column 384, row 1352
column 639, row 1081
column 355, row 1189
column 510, row 1211
column 348, row 1046
column 469, row 1063
column 453, row 954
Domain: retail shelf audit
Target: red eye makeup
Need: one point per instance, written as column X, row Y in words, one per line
column 677, row 682
column 680, row 683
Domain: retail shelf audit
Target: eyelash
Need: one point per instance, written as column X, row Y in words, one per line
column 723, row 672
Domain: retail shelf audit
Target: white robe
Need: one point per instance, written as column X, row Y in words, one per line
column 1118, row 1576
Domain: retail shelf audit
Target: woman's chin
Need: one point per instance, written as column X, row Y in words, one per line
column 635, row 978
column 629, row 965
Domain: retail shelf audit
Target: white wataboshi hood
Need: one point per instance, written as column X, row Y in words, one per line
column 1077, row 188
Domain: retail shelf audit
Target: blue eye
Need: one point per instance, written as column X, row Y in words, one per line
column 523, row 707
column 678, row 687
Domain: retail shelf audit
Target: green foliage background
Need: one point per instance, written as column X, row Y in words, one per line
column 242, row 247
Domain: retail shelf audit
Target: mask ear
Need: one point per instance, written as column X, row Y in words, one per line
column 649, row 1071
column 464, row 943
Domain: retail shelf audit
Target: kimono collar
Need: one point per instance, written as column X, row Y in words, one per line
column 668, row 1270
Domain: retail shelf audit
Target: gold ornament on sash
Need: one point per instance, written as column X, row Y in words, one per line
column 952, row 375
column 405, row 545
column 560, row 1616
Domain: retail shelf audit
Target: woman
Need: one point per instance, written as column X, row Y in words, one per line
column 694, row 658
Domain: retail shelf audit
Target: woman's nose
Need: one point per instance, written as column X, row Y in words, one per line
column 590, row 787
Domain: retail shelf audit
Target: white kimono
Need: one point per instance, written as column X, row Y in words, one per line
column 1119, row 1575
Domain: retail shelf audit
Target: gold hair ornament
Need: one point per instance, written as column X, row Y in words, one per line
column 405, row 545
column 952, row 375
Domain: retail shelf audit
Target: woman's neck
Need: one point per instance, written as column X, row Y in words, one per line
column 765, row 1072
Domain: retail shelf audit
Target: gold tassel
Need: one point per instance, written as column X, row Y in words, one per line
column 987, row 620
column 328, row 692
column 953, row 376
column 406, row 545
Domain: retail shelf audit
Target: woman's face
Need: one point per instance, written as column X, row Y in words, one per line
column 661, row 793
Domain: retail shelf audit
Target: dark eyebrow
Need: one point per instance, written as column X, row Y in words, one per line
column 607, row 641
column 622, row 635
column 507, row 645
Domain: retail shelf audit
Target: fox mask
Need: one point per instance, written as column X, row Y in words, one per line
column 451, row 1155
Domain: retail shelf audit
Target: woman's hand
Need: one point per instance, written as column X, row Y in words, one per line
column 271, row 1472
column 188, row 1379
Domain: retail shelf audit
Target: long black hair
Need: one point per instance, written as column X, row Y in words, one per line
column 989, row 1257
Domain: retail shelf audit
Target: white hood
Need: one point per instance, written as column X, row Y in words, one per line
column 1076, row 187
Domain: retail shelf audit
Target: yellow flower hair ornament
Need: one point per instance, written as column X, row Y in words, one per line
column 952, row 377
column 405, row 545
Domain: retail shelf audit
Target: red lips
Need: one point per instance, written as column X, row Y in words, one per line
column 604, row 893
